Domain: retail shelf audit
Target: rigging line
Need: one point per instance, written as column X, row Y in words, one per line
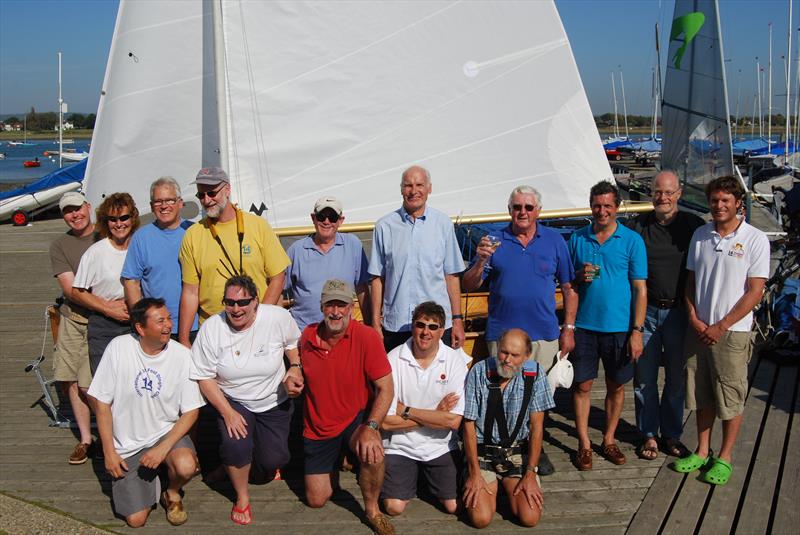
column 693, row 112
column 232, row 150
column 170, row 22
column 111, row 100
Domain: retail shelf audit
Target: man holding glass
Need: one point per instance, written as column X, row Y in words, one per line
column 522, row 265
column 611, row 270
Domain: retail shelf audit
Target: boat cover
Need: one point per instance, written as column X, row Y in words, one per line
column 65, row 175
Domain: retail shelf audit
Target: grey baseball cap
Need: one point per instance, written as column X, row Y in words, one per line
column 211, row 176
column 71, row 198
column 336, row 290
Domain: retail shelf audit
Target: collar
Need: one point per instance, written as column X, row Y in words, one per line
column 407, row 354
column 308, row 241
column 732, row 234
column 406, row 217
column 347, row 333
column 508, row 233
column 617, row 230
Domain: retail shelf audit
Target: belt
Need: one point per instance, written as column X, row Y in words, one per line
column 663, row 303
column 491, row 449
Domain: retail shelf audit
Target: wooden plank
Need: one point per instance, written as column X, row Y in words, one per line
column 787, row 513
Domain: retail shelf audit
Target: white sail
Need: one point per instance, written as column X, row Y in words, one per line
column 697, row 135
column 339, row 97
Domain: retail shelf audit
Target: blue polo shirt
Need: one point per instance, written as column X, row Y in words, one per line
column 311, row 267
column 605, row 303
column 522, row 283
column 152, row 260
column 413, row 256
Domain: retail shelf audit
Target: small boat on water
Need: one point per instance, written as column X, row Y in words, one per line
column 32, row 163
column 42, row 194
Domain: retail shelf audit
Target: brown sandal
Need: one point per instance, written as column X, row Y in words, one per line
column 648, row 453
column 612, row 454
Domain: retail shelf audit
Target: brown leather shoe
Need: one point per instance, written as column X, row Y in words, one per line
column 380, row 524
column 612, row 454
column 584, row 459
column 80, row 454
column 176, row 514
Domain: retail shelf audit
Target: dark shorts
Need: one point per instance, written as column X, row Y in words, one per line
column 591, row 347
column 267, row 440
column 441, row 473
column 141, row 486
column 102, row 330
column 322, row 456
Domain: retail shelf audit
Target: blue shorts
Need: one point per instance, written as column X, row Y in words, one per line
column 322, row 456
column 591, row 347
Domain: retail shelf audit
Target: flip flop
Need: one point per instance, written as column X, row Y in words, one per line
column 691, row 463
column 674, row 447
column 648, row 453
column 244, row 511
column 719, row 473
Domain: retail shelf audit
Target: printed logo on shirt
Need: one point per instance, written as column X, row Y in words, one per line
column 442, row 380
column 737, row 251
column 148, row 383
column 246, row 249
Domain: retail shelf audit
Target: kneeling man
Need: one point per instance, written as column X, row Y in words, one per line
column 505, row 400
column 145, row 406
column 425, row 415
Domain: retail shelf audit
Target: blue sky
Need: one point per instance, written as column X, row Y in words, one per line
column 605, row 34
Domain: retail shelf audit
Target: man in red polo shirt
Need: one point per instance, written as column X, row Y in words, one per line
column 342, row 359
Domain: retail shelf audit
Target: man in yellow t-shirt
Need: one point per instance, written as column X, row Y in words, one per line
column 226, row 242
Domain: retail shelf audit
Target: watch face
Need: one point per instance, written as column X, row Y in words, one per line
column 373, row 424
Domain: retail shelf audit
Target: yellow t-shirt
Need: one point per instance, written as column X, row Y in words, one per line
column 204, row 263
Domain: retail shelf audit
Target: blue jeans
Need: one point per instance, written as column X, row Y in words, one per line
column 664, row 330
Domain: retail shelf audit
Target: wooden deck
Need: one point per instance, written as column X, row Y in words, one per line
column 606, row 500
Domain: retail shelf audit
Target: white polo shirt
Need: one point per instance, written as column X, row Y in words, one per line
column 424, row 389
column 721, row 268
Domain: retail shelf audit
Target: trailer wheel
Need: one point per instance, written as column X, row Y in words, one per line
column 617, row 157
column 20, row 218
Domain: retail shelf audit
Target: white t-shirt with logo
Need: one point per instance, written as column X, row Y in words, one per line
column 424, row 389
column 721, row 268
column 254, row 376
column 100, row 269
column 147, row 393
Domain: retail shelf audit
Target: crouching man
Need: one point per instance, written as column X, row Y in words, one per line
column 146, row 405
column 506, row 397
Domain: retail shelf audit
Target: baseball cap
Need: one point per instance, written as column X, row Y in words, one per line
column 328, row 202
column 336, row 290
column 211, row 176
column 71, row 198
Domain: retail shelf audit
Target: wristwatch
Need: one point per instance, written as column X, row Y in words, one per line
column 458, row 316
column 372, row 424
column 638, row 328
column 296, row 365
column 406, row 413
column 534, row 469
column 569, row 326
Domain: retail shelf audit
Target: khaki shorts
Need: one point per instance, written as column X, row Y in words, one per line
column 543, row 352
column 490, row 476
column 716, row 376
column 71, row 353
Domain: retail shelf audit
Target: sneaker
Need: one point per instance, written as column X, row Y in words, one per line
column 80, row 454
column 545, row 467
column 380, row 524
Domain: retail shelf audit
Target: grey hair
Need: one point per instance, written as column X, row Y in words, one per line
column 525, row 190
column 165, row 181
column 666, row 172
column 412, row 168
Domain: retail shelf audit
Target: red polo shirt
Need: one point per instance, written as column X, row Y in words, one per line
column 337, row 381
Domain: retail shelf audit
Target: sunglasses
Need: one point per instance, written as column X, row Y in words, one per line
column 429, row 326
column 211, row 194
column 241, row 302
column 114, row 219
column 519, row 207
column 333, row 217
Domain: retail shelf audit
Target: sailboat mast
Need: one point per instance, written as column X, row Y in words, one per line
column 769, row 94
column 60, row 117
column 738, row 97
column 219, row 75
column 616, row 115
column 760, row 109
column 624, row 104
column 788, row 80
column 654, row 94
column 728, row 152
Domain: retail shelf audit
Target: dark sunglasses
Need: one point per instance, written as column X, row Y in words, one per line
column 331, row 216
column 241, row 302
column 114, row 219
column 430, row 326
column 202, row 194
column 519, row 207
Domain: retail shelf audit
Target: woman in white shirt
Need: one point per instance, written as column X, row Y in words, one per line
column 98, row 278
column 238, row 360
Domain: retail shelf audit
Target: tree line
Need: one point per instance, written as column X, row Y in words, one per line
column 49, row 119
column 607, row 119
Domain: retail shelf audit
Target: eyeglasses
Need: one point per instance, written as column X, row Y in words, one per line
column 331, row 216
column 429, row 326
column 241, row 302
column 211, row 194
column 164, row 202
column 661, row 193
column 114, row 219
column 519, row 207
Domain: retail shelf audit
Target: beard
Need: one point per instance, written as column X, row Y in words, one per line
column 336, row 325
column 505, row 372
column 214, row 211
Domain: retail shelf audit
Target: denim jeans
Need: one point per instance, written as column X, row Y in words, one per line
column 664, row 330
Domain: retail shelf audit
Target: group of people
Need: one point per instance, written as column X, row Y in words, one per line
column 157, row 321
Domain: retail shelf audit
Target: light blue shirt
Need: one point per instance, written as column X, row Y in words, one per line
column 413, row 256
column 311, row 267
column 152, row 259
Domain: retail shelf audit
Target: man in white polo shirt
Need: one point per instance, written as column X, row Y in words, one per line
column 145, row 405
column 425, row 414
column 728, row 264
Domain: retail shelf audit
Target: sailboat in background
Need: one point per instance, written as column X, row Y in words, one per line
column 296, row 99
column 24, row 142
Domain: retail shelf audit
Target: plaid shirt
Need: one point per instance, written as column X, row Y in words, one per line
column 476, row 394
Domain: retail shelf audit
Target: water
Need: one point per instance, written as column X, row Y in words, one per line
column 11, row 169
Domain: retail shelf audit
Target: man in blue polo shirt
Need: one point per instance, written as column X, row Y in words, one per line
column 415, row 258
column 326, row 254
column 522, row 272
column 151, row 266
column 611, row 272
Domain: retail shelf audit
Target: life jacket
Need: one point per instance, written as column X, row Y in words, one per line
column 494, row 407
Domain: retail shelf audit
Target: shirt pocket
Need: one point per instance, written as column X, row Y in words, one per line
column 544, row 266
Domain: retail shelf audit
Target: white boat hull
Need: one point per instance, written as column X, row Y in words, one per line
column 31, row 202
column 74, row 156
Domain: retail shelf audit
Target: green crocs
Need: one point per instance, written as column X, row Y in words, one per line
column 691, row 463
column 719, row 473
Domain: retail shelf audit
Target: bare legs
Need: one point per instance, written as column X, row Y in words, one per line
column 730, row 430
column 80, row 409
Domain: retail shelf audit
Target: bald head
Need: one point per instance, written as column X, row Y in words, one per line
column 666, row 190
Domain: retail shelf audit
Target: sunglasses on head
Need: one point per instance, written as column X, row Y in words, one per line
column 330, row 215
column 211, row 194
column 519, row 207
column 430, row 326
column 114, row 219
column 241, row 302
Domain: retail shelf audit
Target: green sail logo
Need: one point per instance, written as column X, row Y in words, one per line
column 689, row 25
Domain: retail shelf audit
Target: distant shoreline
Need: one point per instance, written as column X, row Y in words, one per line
column 68, row 134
